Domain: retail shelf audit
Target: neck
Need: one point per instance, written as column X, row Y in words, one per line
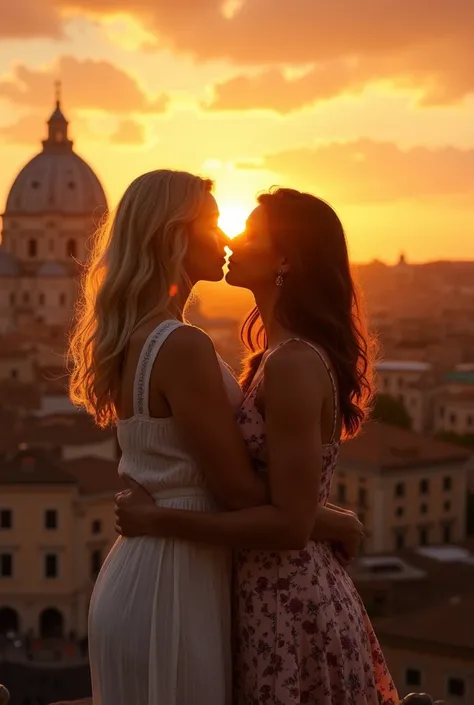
column 175, row 308
column 275, row 332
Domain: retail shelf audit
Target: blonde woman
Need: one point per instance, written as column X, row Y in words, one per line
column 159, row 620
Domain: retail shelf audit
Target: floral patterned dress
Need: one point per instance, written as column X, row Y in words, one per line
column 302, row 634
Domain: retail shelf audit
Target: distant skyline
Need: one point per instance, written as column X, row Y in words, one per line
column 373, row 110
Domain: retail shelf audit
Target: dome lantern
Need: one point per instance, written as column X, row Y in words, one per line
column 57, row 127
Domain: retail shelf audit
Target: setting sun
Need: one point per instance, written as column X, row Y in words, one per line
column 232, row 219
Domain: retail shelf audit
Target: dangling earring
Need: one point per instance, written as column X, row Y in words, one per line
column 279, row 278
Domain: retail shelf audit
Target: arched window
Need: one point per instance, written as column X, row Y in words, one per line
column 9, row 620
column 32, row 248
column 51, row 623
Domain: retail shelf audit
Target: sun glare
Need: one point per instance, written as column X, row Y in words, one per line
column 232, row 219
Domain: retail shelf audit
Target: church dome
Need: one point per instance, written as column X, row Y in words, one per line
column 8, row 265
column 52, row 269
column 57, row 181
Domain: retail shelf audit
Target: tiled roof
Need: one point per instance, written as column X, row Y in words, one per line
column 380, row 447
column 447, row 624
column 33, row 467
column 95, row 475
column 62, row 429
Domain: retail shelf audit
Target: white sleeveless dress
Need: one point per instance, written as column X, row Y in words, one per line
column 159, row 618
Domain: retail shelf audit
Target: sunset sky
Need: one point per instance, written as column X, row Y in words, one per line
column 368, row 104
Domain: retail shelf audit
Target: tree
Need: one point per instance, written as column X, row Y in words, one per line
column 391, row 411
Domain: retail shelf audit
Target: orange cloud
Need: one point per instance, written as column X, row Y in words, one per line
column 24, row 130
column 128, row 132
column 87, row 84
column 30, row 18
column 426, row 45
column 367, row 171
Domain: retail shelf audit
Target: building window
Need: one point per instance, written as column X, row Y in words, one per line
column 441, row 412
column 447, row 506
column 447, row 533
column 62, row 299
column 341, row 492
column 399, row 511
column 41, row 299
column 399, row 540
column 96, row 526
column 424, row 509
column 96, row 562
column 12, row 298
column 386, row 383
column 71, row 248
column 6, row 565
column 51, row 519
column 362, row 496
column 423, row 535
column 14, row 373
column 470, row 421
column 6, row 519
column 51, row 565
column 26, row 297
column 413, row 677
column 447, row 483
column 32, row 248
column 456, row 687
column 452, row 419
column 424, row 486
column 400, row 489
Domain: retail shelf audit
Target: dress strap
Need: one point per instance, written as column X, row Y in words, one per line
column 329, row 371
column 141, row 384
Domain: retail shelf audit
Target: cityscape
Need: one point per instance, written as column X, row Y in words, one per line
column 409, row 475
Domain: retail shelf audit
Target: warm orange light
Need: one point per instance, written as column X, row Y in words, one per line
column 232, row 218
column 173, row 290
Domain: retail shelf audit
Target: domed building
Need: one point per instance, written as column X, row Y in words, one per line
column 53, row 207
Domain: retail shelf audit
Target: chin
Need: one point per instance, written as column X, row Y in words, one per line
column 213, row 275
column 234, row 280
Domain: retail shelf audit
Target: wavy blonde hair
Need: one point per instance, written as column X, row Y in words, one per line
column 139, row 248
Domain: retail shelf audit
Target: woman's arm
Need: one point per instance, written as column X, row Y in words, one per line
column 191, row 380
column 293, row 383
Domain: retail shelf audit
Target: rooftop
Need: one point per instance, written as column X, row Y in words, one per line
column 380, row 447
column 33, row 467
column 403, row 366
column 95, row 475
column 448, row 624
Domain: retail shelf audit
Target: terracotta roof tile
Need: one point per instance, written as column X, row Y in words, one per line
column 382, row 447
column 95, row 475
column 33, row 467
column 448, row 624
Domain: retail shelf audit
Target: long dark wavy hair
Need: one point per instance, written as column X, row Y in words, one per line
column 318, row 299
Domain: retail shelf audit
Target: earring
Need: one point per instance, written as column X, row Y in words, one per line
column 279, row 278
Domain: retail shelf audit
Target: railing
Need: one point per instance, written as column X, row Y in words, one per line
column 412, row 699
